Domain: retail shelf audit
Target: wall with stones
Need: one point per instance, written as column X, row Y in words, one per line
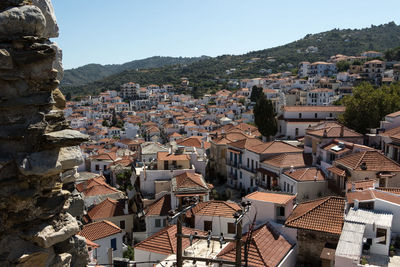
column 310, row 245
column 38, row 151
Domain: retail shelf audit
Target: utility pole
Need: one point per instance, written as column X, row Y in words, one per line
column 238, row 244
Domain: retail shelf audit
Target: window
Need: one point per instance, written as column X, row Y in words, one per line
column 291, row 189
column 122, row 224
column 299, row 115
column 97, row 167
column 241, row 175
column 316, row 115
column 158, row 222
column 381, row 233
column 164, row 222
column 105, row 167
column 252, row 165
column 230, row 156
column 207, row 225
column 231, row 228
column 280, row 211
column 251, row 182
column 248, row 162
column 114, row 244
column 296, row 132
column 284, row 186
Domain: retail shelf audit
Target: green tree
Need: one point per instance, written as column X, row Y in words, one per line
column 114, row 119
column 264, row 117
column 68, row 96
column 343, row 65
column 256, row 93
column 368, row 105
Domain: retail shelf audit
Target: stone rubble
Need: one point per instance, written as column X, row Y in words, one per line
column 39, row 153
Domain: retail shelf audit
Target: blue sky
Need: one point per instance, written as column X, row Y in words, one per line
column 117, row 31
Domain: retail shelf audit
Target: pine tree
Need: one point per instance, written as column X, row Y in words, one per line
column 264, row 117
column 256, row 93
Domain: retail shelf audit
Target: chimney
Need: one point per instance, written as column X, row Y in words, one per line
column 126, row 210
column 353, row 187
column 291, row 169
column 341, row 131
column 356, row 202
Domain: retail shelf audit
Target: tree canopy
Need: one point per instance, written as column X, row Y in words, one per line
column 369, row 105
column 256, row 93
column 264, row 117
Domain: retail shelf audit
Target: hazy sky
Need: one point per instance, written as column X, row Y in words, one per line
column 117, row 31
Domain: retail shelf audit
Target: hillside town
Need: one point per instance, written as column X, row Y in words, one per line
column 165, row 174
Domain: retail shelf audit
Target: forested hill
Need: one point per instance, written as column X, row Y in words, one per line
column 210, row 74
column 93, row 72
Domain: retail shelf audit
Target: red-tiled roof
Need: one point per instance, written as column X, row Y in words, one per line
column 98, row 230
column 108, row 208
column 160, row 207
column 306, row 174
column 314, row 108
column 323, row 215
column 282, row 199
column 267, row 248
column 167, row 156
column 189, row 180
column 164, row 242
column 371, row 194
column 215, row 208
column 372, row 160
column 286, row 160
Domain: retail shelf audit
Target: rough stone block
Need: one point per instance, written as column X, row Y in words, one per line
column 22, row 21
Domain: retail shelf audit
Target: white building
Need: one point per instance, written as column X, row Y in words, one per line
column 320, row 97
column 107, row 235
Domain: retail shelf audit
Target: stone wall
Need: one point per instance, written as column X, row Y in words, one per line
column 38, row 151
column 311, row 244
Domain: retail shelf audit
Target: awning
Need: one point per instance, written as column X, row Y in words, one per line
column 233, row 151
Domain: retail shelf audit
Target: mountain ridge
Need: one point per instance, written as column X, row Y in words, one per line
column 211, row 74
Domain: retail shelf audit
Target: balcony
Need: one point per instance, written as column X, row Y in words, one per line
column 234, row 164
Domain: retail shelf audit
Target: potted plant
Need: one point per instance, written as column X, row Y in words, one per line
column 391, row 250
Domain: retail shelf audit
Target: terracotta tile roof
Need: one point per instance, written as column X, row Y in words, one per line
column 314, row 108
column 337, row 171
column 193, row 141
column 267, row 248
column 275, row 147
column 373, row 160
column 98, row 230
column 281, row 199
column 332, row 130
column 105, row 156
column 323, row 215
column 108, row 208
column 393, row 190
column 189, row 181
column 96, row 186
column 167, row 156
column 164, row 242
column 91, row 244
column 160, row 207
column 306, row 174
column 215, row 208
column 391, row 132
column 286, row 160
column 246, row 143
column 360, row 185
column 372, row 194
